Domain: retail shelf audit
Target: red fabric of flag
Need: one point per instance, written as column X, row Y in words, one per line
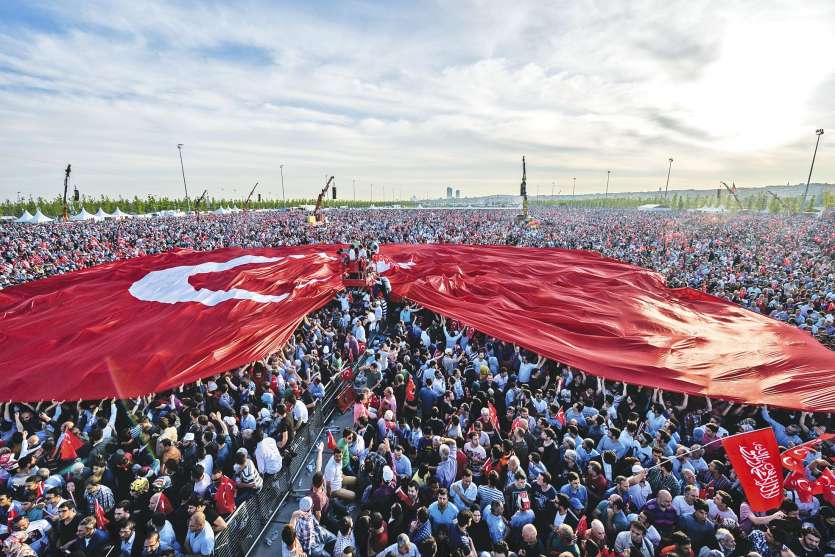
column 101, row 519
column 70, row 444
column 148, row 324
column 561, row 416
column 410, row 389
column 331, row 441
column 494, row 417
column 794, row 458
column 617, row 321
column 755, row 458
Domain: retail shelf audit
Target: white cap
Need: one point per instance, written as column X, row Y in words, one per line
column 637, row 469
column 305, row 504
column 188, row 436
column 388, row 475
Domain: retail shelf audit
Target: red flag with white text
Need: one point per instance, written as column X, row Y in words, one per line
column 755, row 458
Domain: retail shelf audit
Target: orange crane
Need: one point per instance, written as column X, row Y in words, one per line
column 318, row 217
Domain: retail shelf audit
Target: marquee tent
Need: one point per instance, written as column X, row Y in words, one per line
column 83, row 215
column 25, row 217
column 102, row 214
column 39, row 217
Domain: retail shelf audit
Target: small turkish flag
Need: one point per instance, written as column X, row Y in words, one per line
column 793, row 459
column 69, row 445
column 755, row 458
column 101, row 519
column 331, row 441
column 561, row 416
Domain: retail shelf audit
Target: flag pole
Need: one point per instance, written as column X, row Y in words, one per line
column 670, row 459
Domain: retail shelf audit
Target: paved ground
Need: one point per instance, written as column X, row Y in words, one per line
column 270, row 543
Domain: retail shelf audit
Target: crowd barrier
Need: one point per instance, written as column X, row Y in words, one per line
column 252, row 518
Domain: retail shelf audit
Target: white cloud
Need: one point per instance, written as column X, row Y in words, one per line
column 416, row 99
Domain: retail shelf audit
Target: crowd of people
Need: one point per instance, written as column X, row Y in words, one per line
column 460, row 444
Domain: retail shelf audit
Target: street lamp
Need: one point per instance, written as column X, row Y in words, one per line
column 819, row 133
column 182, row 168
column 281, row 168
column 668, row 179
column 573, row 187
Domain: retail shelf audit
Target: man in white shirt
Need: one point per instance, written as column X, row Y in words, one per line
column 683, row 504
column 267, row 456
column 300, row 415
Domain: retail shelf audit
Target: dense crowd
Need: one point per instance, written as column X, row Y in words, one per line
column 461, row 444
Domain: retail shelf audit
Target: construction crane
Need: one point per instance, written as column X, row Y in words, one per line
column 318, row 216
column 780, row 201
column 66, row 182
column 249, row 197
column 197, row 204
column 523, row 191
column 732, row 191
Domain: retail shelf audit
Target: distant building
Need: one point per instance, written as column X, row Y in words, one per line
column 449, row 192
column 457, row 194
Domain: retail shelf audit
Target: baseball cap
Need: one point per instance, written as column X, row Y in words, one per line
column 188, row 436
column 305, row 504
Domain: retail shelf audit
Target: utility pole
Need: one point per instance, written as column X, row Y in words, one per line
column 354, row 185
column 667, row 187
column 182, row 168
column 573, row 187
column 372, row 193
column 281, row 168
column 819, row 133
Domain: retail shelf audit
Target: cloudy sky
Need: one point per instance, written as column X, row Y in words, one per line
column 412, row 97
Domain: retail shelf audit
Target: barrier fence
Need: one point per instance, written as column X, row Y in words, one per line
column 252, row 518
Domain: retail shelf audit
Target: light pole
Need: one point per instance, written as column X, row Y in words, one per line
column 819, row 133
column 372, row 193
column 281, row 168
column 667, row 187
column 606, row 195
column 182, row 168
column 354, row 185
column 573, row 187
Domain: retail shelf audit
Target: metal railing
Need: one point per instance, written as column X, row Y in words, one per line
column 252, row 518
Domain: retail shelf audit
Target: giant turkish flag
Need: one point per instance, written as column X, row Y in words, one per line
column 618, row 321
column 139, row 326
column 152, row 323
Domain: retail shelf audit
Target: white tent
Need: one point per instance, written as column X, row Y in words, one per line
column 39, row 217
column 83, row 215
column 120, row 215
column 25, row 217
column 101, row 214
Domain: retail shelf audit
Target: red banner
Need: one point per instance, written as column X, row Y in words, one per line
column 755, row 458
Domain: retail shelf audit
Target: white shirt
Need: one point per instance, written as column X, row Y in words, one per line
column 681, row 506
column 300, row 412
column 268, row 457
column 333, row 474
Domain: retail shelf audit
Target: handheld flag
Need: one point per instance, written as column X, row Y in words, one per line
column 755, row 458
